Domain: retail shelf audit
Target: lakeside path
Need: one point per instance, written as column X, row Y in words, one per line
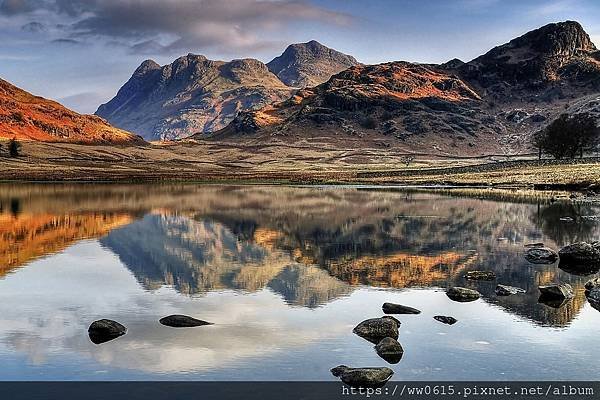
column 269, row 164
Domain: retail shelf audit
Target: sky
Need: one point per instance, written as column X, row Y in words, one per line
column 80, row 52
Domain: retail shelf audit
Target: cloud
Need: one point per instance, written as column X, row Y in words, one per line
column 170, row 26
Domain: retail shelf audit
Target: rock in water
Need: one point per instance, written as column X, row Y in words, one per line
column 390, row 350
column 391, row 308
column 375, row 329
column 505, row 290
column 105, row 330
column 580, row 258
column 363, row 377
column 480, row 275
column 592, row 283
column 462, row 294
column 182, row 321
column 538, row 244
column 560, row 291
column 445, row 320
column 541, row 255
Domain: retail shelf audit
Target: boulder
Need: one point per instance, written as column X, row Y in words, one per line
column 105, row 330
column 445, row 320
column 375, row 329
column 541, row 255
column 363, row 377
column 505, row 290
column 182, row 321
column 560, row 291
column 462, row 294
column 390, row 350
column 391, row 308
column 580, row 258
column 480, row 275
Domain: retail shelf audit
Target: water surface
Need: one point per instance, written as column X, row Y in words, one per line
column 285, row 273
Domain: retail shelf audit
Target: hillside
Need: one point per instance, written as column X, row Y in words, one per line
column 27, row 117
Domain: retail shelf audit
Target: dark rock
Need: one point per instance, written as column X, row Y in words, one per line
column 480, row 275
column 363, row 377
column 105, row 330
column 580, row 258
column 541, row 255
column 592, row 283
column 559, row 291
column 182, row 321
column 462, row 294
column 533, row 245
column 553, row 302
column 445, row 320
column 375, row 329
column 391, row 308
column 390, row 350
column 505, row 290
column 567, row 219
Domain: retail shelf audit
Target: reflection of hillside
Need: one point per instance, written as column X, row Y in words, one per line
column 196, row 256
column 24, row 237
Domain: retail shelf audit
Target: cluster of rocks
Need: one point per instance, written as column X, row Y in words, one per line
column 105, row 330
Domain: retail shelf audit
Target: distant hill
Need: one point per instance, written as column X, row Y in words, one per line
column 28, row 117
column 309, row 64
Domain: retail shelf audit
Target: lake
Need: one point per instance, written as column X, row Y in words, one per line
column 285, row 273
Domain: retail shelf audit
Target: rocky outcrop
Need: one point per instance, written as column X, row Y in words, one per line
column 182, row 321
column 309, row 64
column 363, row 377
column 462, row 294
column 104, row 330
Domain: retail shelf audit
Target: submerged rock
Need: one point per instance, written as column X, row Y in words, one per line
column 560, row 291
column 505, row 290
column 391, row 308
column 390, row 350
column 182, row 321
column 445, row 320
column 580, row 258
column 105, row 330
column 375, row 329
column 541, row 255
column 363, row 377
column 462, row 294
column 480, row 275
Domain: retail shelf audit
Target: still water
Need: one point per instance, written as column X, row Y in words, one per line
column 284, row 273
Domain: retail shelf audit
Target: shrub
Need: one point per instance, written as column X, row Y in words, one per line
column 568, row 136
column 14, row 147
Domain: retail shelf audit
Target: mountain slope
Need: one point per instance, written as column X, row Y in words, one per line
column 193, row 94
column 28, row 117
column 309, row 64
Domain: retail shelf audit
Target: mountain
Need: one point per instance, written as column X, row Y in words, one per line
column 192, row 94
column 28, row 117
column 309, row 64
column 489, row 105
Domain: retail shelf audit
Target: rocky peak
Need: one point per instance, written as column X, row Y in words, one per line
column 146, row 66
column 557, row 39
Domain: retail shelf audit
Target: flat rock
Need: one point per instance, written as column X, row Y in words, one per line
column 363, row 377
column 462, row 294
column 104, row 330
column 445, row 319
column 558, row 291
column 391, row 308
column 375, row 329
column 480, row 275
column 505, row 290
column 390, row 350
column 541, row 255
column 182, row 321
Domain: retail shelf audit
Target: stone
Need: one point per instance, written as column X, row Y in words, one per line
column 480, row 275
column 445, row 319
column 390, row 350
column 375, row 329
column 391, row 308
column 104, row 330
column 580, row 258
column 462, row 294
column 371, row 377
column 505, row 290
column 558, row 291
column 541, row 255
column 182, row 321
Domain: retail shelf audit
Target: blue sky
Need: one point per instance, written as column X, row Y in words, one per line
column 81, row 51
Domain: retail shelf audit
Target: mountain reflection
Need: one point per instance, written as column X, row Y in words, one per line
column 309, row 245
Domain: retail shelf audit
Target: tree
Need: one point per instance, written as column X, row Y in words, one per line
column 407, row 160
column 568, row 136
column 14, row 147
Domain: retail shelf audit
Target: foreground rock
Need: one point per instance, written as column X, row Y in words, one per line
column 462, row 294
column 376, row 329
column 505, row 290
column 105, row 330
column 445, row 320
column 390, row 350
column 363, row 377
column 182, row 321
column 541, row 255
column 391, row 308
column 480, row 275
column 580, row 258
column 562, row 291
